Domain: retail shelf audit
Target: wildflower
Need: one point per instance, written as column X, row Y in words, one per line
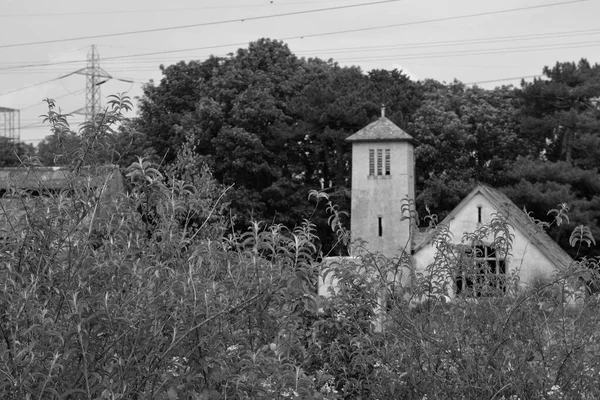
column 233, row 348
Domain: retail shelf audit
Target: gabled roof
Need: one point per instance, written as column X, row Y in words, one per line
column 516, row 217
column 381, row 130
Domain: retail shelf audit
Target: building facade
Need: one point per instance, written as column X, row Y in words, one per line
column 383, row 178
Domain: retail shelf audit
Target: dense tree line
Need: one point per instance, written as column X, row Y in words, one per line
column 273, row 125
column 12, row 152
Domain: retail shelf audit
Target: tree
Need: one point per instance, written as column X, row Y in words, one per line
column 561, row 118
column 561, row 112
column 466, row 135
column 539, row 186
column 12, row 152
column 271, row 124
column 121, row 147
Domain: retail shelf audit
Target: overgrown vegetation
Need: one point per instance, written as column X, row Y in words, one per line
column 159, row 299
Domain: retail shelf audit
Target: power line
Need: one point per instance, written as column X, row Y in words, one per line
column 392, row 57
column 462, row 42
column 342, row 31
column 504, row 79
column 229, row 21
column 298, row 13
column 35, row 84
column 47, row 64
column 53, row 98
column 161, row 10
column 435, row 20
column 502, row 50
column 334, row 50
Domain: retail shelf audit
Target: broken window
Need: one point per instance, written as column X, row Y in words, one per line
column 482, row 272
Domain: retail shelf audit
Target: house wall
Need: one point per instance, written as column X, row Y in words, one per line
column 107, row 183
column 525, row 259
column 380, row 196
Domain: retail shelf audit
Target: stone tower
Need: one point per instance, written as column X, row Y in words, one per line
column 383, row 174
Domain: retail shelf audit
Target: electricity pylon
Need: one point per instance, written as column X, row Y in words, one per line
column 96, row 76
column 10, row 123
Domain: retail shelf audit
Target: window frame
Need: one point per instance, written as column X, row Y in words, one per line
column 380, row 162
column 482, row 272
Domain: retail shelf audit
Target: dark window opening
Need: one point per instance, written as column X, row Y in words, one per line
column 380, row 227
column 380, row 161
column 482, row 273
column 387, row 161
column 479, row 214
column 380, row 164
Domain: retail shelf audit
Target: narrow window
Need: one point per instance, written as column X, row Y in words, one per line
column 478, row 214
column 380, row 227
column 387, row 161
column 371, row 162
column 379, row 161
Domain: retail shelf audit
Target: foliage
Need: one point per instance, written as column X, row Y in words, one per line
column 271, row 124
column 562, row 111
column 559, row 115
column 116, row 145
column 142, row 303
column 11, row 152
column 155, row 296
column 535, row 342
column 274, row 126
column 467, row 135
column 541, row 185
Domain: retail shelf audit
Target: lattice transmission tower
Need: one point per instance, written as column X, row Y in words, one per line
column 10, row 123
column 96, row 76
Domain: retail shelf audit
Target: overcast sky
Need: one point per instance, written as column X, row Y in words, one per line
column 474, row 41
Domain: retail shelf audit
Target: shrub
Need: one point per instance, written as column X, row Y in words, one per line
column 155, row 298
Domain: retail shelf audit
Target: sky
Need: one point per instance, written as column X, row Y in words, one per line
column 43, row 43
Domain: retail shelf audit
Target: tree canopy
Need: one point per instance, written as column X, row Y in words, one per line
column 274, row 125
column 270, row 123
column 12, row 152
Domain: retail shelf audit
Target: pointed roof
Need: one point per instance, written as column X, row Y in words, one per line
column 516, row 217
column 382, row 130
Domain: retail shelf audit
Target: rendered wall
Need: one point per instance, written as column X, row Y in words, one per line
column 526, row 260
column 380, row 196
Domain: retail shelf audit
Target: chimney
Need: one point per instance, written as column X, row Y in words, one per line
column 382, row 110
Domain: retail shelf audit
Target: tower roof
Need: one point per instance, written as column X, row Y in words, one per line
column 382, row 130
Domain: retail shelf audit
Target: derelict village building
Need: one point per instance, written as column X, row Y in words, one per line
column 383, row 175
column 21, row 189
